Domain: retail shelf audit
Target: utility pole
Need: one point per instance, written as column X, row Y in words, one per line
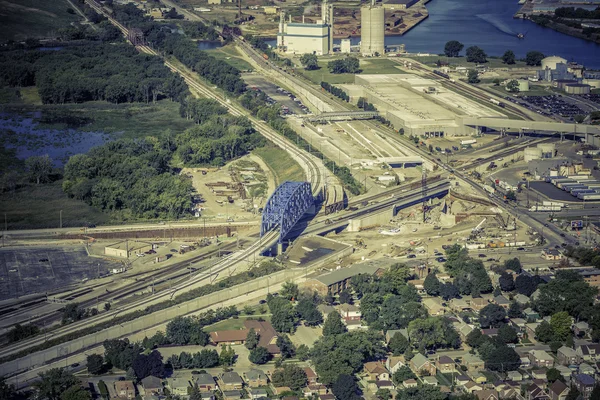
column 60, row 218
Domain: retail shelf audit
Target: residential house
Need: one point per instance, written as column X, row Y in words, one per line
column 534, row 392
column 375, row 371
column 206, row 382
column 510, row 392
column 591, row 277
column 152, row 385
column 588, row 352
column 502, row 301
column 587, row 369
column 311, row 376
column 514, row 376
column 530, row 328
column 420, row 365
column 314, row 389
column 585, row 384
column 521, row 299
column 565, row 372
column 540, row 358
column 539, row 374
column 230, row 381
column 125, row 389
column 418, row 284
column 325, row 310
column 478, row 303
column 558, row 390
column 525, row 362
column 234, row 336
column 567, row 356
column 326, row 397
column 257, row 393
column 277, row 391
column 267, row 334
column 551, row 254
column 255, row 378
column 178, row 386
column 349, row 312
column 462, row 329
column 458, row 305
column 461, row 380
column 491, row 332
column 338, row 280
column 531, row 315
column 472, row 387
column 393, row 363
column 430, row 380
column 410, row 383
column 232, row 394
column 519, row 324
column 487, row 394
column 434, row 306
column 472, row 362
column 392, row 332
column 353, row 325
column 478, row 377
column 581, row 329
column 207, row 395
column 445, row 364
column 385, row 385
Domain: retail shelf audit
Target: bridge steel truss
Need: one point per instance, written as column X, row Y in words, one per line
column 285, row 207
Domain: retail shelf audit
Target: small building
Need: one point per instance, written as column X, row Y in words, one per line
column 487, row 394
column 581, row 328
column 565, row 372
column 591, row 277
column 232, row 394
column 392, row 332
column 128, row 248
column 385, row 385
column 394, row 363
column 230, row 381
column 311, row 376
column 410, row 383
column 534, row 392
column 472, row 362
column 525, row 362
column 178, row 386
column 234, row 336
column 586, row 369
column 521, row 299
column 540, row 358
column 551, row 254
column 445, row 364
column 399, row 4
column 567, row 356
column 461, row 380
column 514, row 376
column 530, row 328
column 531, row 315
column 491, row 332
column 125, row 389
column 430, row 380
column 206, row 383
column 588, row 352
column 152, row 385
column 479, row 377
column 538, row 374
column 267, row 334
column 421, row 365
column 349, row 312
column 337, row 281
column 376, row 371
column 585, row 384
column 314, row 389
column 255, row 378
column 325, row 310
column 257, row 393
column 502, row 301
column 558, row 390
column 479, row 303
column 577, row 88
column 459, row 305
column 519, row 324
column 270, row 10
column 434, row 306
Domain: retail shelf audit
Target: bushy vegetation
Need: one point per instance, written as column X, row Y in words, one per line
column 336, row 91
column 348, row 65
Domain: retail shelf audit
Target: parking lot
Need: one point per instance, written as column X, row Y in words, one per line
column 276, row 94
column 553, row 105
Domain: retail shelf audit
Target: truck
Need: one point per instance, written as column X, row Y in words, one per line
column 489, row 189
column 544, row 208
column 467, row 142
column 553, row 204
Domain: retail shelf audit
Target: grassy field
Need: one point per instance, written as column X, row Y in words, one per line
column 38, row 206
column 230, row 55
column 22, row 19
column 462, row 62
column 233, row 323
column 282, row 165
column 370, row 66
column 26, row 95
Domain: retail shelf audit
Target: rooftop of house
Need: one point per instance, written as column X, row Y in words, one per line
column 266, row 334
column 124, row 385
column 151, row 382
column 349, row 308
column 205, row 379
column 234, row 335
column 419, row 360
column 445, row 360
column 375, row 367
column 231, row 377
column 255, row 374
column 342, row 274
column 557, row 387
column 541, row 355
column 585, row 379
column 501, row 300
column 567, row 351
column 309, row 372
column 392, row 332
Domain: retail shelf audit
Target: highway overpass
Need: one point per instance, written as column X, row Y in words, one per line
column 519, row 125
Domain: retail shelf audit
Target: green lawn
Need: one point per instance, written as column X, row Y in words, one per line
column 38, row 206
column 232, row 323
column 283, row 166
column 368, row 66
column 231, row 55
column 22, row 19
column 462, row 62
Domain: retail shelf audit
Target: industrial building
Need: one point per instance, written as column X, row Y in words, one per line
column 399, row 4
column 372, row 30
column 420, row 106
column 300, row 37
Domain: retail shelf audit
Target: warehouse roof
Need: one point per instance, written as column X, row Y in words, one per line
column 344, row 273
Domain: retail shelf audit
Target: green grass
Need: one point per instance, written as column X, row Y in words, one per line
column 462, row 62
column 38, row 206
column 283, row 166
column 368, row 66
column 26, row 95
column 22, row 19
column 444, row 379
column 232, row 323
column 30, row 95
column 231, row 56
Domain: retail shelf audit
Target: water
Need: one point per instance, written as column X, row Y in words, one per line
column 209, row 44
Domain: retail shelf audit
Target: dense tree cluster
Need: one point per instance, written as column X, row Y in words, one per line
column 336, row 91
column 476, row 54
column 58, row 384
column 584, row 255
column 365, row 105
column 567, row 292
column 290, row 375
column 433, row 333
column 453, row 48
column 348, row 65
column 494, row 351
column 577, row 13
column 534, row 58
column 20, row 332
column 198, row 30
column 310, row 62
column 205, row 358
column 470, row 277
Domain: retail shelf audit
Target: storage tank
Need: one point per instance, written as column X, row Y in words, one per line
column 523, row 85
column 551, row 62
column 532, row 153
column 577, row 88
column 345, row 46
column 372, row 30
column 547, row 149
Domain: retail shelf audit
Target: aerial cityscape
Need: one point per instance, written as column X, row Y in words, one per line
column 300, row 199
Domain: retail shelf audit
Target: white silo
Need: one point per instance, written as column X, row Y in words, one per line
column 372, row 30
column 532, row 153
column 547, row 149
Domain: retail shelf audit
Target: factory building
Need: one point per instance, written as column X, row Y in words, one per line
column 300, row 37
column 372, row 30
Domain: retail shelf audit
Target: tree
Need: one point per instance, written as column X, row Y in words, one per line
column 473, row 76
column 290, row 375
column 507, row 282
column 309, row 61
column 508, row 57
column 302, row 352
column 345, row 388
column 432, row 285
column 449, row 291
column 475, row 338
column 514, row 310
column 476, row 55
column 106, row 306
column 453, row 48
column 567, row 292
column 227, row 356
column 383, row 394
column 534, row 58
column 333, row 324
column 95, row 364
column 76, row 392
column 39, row 168
column 573, row 393
column 286, row 347
column 513, row 86
column 595, row 395
column 561, row 325
column 345, row 297
column 251, row 339
column 307, row 310
column 259, row 355
column 544, row 332
column 398, row 344
column 491, row 316
column 147, row 365
column 289, row 290
column 503, row 358
column 553, row 375
column 7, row 392
column 525, row 285
column 54, row 382
column 349, row 65
column 507, row 334
column 103, row 390
column 514, row 264
column 403, row 373
column 433, row 333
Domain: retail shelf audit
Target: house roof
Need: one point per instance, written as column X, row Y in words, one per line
column 255, row 374
column 342, row 274
column 151, row 382
column 234, row 335
column 585, row 348
column 124, row 385
column 177, row 383
column 205, row 379
column 257, row 391
column 266, row 334
column 585, row 379
column 392, row 332
column 501, row 300
column 309, row 372
column 567, row 351
column 445, row 360
column 478, row 301
column 486, row 394
column 521, row 298
column 375, row 367
column 231, row 377
column 558, row 387
column 384, row 383
column 541, row 355
column 471, row 358
column 325, row 308
column 395, row 360
column 419, row 360
column 349, row 308
column 518, row 321
column 582, row 325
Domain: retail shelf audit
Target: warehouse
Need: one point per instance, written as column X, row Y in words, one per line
column 420, row 106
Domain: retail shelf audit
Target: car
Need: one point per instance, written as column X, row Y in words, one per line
column 441, row 259
column 263, row 301
column 491, row 259
column 140, row 254
column 562, row 235
column 173, row 251
column 411, row 256
column 151, row 252
column 521, row 248
column 557, row 246
column 481, row 255
column 75, row 365
column 91, row 226
column 546, row 225
column 43, row 260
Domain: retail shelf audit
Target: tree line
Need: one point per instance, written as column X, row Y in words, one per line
column 336, row 91
column 476, row 54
